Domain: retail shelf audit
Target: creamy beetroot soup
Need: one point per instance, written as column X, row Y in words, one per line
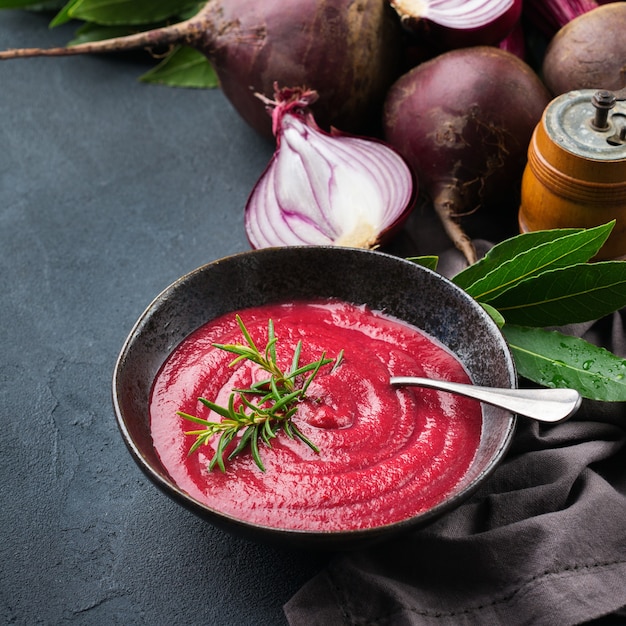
column 385, row 453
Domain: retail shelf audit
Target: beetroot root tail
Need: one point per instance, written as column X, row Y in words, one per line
column 446, row 204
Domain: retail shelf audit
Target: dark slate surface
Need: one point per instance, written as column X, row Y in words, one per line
column 109, row 190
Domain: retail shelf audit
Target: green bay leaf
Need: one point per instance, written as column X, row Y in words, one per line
column 506, row 250
column 504, row 272
column 495, row 315
column 579, row 293
column 553, row 359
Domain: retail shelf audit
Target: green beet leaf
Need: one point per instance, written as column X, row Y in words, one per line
column 19, row 4
column 94, row 32
column 63, row 16
column 580, row 293
column 553, row 359
column 46, row 5
column 126, row 12
column 185, row 67
column 528, row 255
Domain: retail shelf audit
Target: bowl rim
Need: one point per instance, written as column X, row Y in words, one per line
column 171, row 489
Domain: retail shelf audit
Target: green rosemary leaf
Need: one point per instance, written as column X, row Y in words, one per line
column 244, row 440
column 304, row 438
column 246, row 334
column 193, row 418
column 288, row 428
column 225, row 438
column 296, row 359
column 242, row 352
column 220, row 410
column 197, row 443
column 287, row 399
column 311, row 366
column 255, row 408
column 314, row 372
column 338, row 361
column 236, row 416
column 270, row 349
column 274, row 388
column 254, row 446
column 268, row 432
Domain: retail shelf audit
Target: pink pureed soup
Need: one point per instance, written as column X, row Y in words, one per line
column 386, row 453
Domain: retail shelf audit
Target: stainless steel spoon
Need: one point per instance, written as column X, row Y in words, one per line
column 545, row 405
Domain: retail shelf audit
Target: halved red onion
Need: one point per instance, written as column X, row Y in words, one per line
column 550, row 15
column 325, row 188
column 461, row 23
column 515, row 42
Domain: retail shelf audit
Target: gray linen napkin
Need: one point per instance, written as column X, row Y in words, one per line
column 543, row 542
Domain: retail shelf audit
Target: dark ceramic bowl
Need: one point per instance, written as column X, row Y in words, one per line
column 400, row 288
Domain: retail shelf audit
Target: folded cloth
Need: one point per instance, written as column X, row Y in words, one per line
column 542, row 542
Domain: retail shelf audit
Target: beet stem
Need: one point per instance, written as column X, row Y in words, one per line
column 186, row 32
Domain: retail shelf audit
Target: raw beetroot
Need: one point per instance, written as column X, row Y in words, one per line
column 589, row 52
column 347, row 50
column 464, row 120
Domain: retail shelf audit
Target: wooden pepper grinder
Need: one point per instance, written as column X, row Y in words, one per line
column 576, row 171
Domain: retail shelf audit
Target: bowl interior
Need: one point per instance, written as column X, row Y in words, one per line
column 395, row 286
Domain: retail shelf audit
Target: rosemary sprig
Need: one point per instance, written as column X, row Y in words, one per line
column 257, row 413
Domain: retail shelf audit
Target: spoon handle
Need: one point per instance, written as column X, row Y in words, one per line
column 545, row 405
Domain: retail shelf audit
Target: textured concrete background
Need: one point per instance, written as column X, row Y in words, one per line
column 109, row 190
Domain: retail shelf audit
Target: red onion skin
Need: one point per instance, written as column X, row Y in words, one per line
column 548, row 16
column 589, row 52
column 463, row 121
column 349, row 51
column 443, row 38
column 515, row 42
